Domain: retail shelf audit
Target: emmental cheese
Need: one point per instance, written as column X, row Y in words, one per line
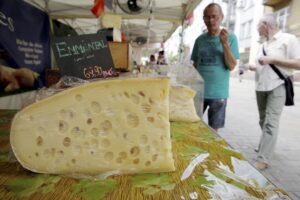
column 104, row 127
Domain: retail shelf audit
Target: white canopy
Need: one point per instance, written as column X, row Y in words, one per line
column 154, row 25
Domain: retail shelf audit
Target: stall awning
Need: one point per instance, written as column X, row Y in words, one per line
column 154, row 24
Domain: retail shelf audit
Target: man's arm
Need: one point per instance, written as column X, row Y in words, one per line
column 230, row 60
column 195, row 63
column 287, row 63
column 194, row 56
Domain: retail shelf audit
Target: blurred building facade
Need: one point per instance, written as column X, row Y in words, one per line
column 288, row 14
column 248, row 14
column 243, row 15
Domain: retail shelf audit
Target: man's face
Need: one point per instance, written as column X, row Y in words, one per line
column 262, row 28
column 212, row 19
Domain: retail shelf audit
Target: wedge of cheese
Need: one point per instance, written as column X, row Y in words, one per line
column 103, row 127
column 182, row 106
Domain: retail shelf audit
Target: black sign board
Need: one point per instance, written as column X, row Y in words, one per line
column 84, row 56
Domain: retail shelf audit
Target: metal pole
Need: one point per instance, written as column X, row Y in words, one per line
column 47, row 10
column 184, row 25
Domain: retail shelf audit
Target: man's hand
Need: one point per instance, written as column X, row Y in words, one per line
column 251, row 67
column 230, row 61
column 223, row 36
column 265, row 60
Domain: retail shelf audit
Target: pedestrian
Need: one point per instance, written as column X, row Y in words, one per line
column 161, row 58
column 152, row 60
column 283, row 51
column 152, row 66
column 242, row 70
column 214, row 55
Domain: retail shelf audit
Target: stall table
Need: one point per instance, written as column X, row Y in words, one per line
column 206, row 168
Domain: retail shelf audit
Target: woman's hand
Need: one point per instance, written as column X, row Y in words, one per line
column 265, row 60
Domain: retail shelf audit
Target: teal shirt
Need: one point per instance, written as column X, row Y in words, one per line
column 208, row 54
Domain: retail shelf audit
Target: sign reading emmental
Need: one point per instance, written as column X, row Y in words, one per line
column 84, row 56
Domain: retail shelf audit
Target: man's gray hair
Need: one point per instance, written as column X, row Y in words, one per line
column 270, row 19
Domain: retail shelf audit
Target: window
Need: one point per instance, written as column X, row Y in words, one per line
column 242, row 31
column 241, row 4
column 245, row 4
column 249, row 28
column 250, row 3
column 246, row 29
column 281, row 16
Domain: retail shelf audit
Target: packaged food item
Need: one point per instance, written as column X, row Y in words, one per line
column 182, row 106
column 187, row 75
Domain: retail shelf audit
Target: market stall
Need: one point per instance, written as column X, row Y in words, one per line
column 203, row 165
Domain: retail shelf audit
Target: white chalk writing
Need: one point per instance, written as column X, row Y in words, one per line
column 32, row 51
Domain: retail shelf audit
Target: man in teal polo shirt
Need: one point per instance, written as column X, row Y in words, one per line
column 215, row 54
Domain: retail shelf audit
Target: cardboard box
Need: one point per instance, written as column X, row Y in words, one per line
column 120, row 55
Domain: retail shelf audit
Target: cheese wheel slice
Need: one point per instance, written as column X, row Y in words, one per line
column 104, row 127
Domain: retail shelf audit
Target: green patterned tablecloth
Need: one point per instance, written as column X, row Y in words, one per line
column 206, row 168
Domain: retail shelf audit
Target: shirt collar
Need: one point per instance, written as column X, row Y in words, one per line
column 274, row 38
column 276, row 35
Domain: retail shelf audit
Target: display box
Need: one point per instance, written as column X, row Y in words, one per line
column 120, row 55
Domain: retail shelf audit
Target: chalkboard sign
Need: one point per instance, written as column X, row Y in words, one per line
column 84, row 56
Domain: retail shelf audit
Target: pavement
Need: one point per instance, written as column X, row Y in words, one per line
column 242, row 132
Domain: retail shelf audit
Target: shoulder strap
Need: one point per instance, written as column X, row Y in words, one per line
column 276, row 70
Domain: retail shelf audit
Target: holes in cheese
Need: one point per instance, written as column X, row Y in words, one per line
column 97, row 128
column 67, row 141
column 136, row 161
column 151, row 101
column 146, row 108
column 39, row 141
column 126, row 94
column 63, row 126
column 148, row 163
column 134, row 151
column 95, row 132
column 89, row 121
column 77, row 132
column 141, row 93
column 61, row 152
column 96, row 107
column 150, row 119
column 154, row 157
column 106, row 126
column 132, row 120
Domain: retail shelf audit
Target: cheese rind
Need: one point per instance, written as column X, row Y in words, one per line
column 110, row 126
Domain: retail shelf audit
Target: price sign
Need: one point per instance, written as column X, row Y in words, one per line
column 84, row 56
